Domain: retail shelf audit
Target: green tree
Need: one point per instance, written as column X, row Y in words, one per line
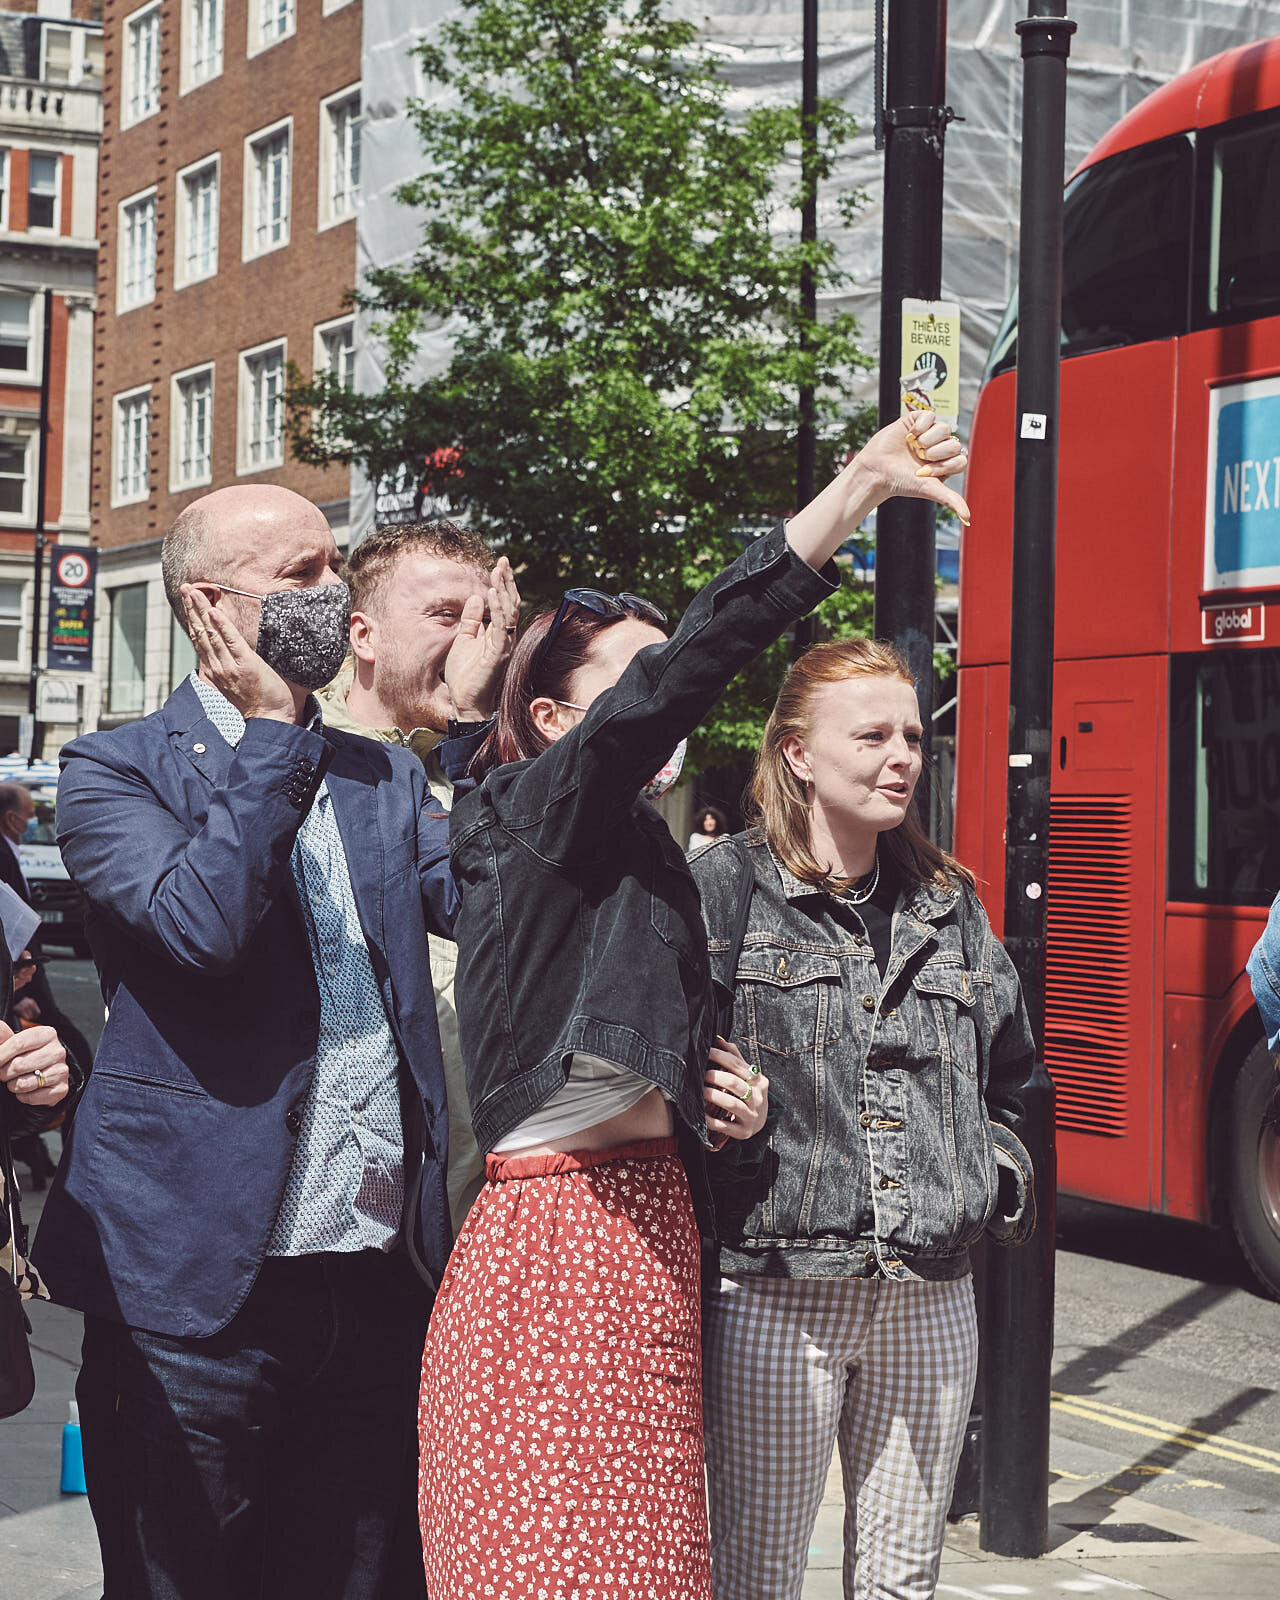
column 621, row 402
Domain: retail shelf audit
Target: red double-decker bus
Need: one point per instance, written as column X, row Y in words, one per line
column 1165, row 836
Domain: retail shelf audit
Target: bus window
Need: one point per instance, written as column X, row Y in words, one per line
column 1224, row 777
column 1126, row 253
column 1244, row 227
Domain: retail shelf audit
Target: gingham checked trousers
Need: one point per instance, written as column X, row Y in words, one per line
column 791, row 1366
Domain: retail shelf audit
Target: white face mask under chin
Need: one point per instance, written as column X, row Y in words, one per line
column 669, row 775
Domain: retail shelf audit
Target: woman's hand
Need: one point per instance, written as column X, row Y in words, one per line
column 736, row 1094
column 912, row 456
column 477, row 661
column 33, row 1065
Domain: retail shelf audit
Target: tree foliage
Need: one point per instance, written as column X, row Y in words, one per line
column 599, row 232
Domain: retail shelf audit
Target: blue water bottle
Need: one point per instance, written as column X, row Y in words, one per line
column 72, row 1455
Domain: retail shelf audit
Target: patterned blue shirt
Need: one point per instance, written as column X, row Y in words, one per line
column 345, row 1189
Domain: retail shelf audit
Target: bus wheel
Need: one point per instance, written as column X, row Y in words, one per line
column 1254, row 1165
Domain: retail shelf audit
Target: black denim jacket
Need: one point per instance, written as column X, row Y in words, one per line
column 894, row 1105
column 580, row 928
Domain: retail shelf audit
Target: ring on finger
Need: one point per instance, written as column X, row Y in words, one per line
column 755, row 1072
column 745, row 1096
column 41, row 1081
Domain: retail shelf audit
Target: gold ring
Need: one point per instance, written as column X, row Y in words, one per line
column 745, row 1095
column 41, row 1081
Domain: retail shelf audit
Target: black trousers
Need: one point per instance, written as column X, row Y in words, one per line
column 278, row 1457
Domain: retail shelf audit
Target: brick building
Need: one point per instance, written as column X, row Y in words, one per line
column 229, row 173
column 50, row 118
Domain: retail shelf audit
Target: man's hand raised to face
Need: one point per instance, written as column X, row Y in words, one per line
column 477, row 661
column 226, row 661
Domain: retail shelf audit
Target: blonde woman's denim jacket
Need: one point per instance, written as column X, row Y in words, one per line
column 894, row 1103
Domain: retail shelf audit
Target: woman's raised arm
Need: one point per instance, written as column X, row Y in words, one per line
column 910, row 457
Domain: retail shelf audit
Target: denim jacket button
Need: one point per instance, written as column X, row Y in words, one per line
column 871, row 1259
column 868, row 1002
column 886, row 1182
column 866, row 1119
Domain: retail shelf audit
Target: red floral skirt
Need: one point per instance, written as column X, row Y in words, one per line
column 560, row 1419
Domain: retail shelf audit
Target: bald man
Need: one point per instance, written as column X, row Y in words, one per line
column 259, row 1161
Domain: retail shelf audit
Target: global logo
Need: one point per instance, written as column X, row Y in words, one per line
column 1220, row 624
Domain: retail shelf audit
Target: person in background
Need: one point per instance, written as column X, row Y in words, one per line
column 871, row 990
column 560, row 1421
column 37, row 1003
column 410, row 583
column 257, row 1166
column 712, row 824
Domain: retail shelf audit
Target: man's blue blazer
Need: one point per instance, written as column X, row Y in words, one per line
column 177, row 1159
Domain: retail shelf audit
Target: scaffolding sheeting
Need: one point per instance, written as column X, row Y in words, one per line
column 1123, row 50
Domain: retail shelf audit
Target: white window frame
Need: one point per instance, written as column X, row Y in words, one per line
column 178, row 384
column 22, row 518
column 35, row 333
column 55, row 227
column 329, row 6
column 182, row 209
column 258, row 11
column 128, row 116
column 249, row 250
column 327, row 216
column 19, row 621
column 245, row 465
column 118, row 404
column 188, row 78
column 320, row 352
column 123, row 300
column 80, row 36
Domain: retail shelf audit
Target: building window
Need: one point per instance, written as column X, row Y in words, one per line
column 15, row 333
column 339, row 156
column 182, row 654
column 42, row 190
column 267, row 182
column 201, row 42
column 269, row 22
column 142, row 64
column 197, row 255
column 15, row 456
column 12, row 595
column 127, row 668
column 191, row 447
column 262, row 408
column 137, row 269
column 336, row 350
column 69, row 55
column 132, row 447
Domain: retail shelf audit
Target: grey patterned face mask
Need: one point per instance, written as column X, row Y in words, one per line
column 303, row 633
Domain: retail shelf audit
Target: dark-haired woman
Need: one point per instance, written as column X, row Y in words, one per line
column 561, row 1416
column 889, row 1019
column 712, row 824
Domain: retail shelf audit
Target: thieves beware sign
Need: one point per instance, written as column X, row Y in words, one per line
column 72, row 585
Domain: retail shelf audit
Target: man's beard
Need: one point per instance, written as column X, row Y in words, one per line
column 409, row 700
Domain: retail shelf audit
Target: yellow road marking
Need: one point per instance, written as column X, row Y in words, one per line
column 1170, row 1433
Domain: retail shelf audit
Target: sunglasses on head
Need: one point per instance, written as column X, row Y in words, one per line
column 613, row 607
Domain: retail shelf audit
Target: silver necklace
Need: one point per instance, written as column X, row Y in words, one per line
column 863, row 895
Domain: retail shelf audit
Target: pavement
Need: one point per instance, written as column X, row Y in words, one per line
column 1165, row 1447
column 1118, row 1521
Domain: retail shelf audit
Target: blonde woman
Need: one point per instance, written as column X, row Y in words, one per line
column 889, row 1021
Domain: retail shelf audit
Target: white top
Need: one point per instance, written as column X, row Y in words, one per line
column 594, row 1091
